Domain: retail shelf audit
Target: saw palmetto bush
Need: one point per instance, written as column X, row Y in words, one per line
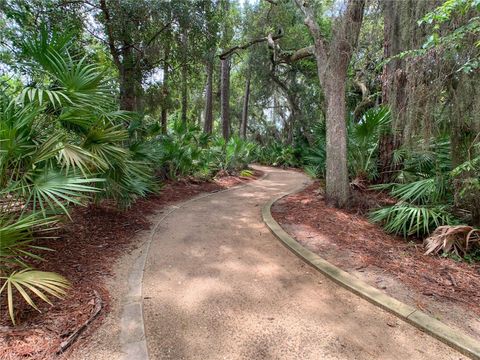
column 363, row 138
column 62, row 142
column 184, row 151
column 17, row 247
column 187, row 151
column 276, row 153
column 423, row 188
column 235, row 154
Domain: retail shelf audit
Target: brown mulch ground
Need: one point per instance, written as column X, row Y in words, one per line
column 350, row 241
column 85, row 252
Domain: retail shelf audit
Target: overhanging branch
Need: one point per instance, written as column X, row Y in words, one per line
column 230, row 51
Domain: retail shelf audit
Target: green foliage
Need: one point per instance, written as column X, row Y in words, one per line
column 408, row 219
column 466, row 180
column 16, row 247
column 182, row 152
column 62, row 142
column 236, row 154
column 457, row 38
column 423, row 189
column 187, row 151
column 363, row 137
column 277, row 154
column 246, row 173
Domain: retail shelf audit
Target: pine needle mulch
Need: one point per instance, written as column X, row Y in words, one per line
column 442, row 286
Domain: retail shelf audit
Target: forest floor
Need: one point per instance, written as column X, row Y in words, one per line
column 442, row 287
column 90, row 246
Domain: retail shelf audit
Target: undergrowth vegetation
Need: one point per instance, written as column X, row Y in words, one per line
column 429, row 192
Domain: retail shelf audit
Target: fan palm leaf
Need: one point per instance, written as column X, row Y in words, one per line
column 27, row 282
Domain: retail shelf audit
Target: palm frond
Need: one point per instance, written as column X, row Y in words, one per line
column 53, row 189
column 408, row 219
column 32, row 282
column 16, row 238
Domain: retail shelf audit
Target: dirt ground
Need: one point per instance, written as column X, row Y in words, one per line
column 442, row 287
column 86, row 251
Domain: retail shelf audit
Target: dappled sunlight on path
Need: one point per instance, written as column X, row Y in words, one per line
column 218, row 285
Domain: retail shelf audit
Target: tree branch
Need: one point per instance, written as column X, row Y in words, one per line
column 300, row 54
column 230, row 51
column 158, row 33
column 346, row 36
column 109, row 31
column 312, row 25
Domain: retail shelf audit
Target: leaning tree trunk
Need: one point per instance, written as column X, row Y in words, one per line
column 225, row 97
column 243, row 127
column 208, row 125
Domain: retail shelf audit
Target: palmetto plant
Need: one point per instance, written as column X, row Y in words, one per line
column 363, row 139
column 16, row 247
column 182, row 152
column 277, row 154
column 423, row 189
column 235, row 154
column 62, row 142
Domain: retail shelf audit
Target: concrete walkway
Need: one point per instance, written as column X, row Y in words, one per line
column 219, row 285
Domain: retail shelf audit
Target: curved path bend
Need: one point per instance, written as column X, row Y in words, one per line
column 218, row 285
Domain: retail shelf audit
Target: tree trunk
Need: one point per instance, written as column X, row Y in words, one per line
column 393, row 88
column 388, row 143
column 337, row 182
column 165, row 92
column 333, row 57
column 225, row 97
column 208, row 124
column 295, row 112
column 184, row 44
column 127, row 91
column 164, row 118
column 127, row 81
column 243, row 128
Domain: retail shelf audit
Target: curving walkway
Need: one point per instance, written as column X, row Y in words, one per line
column 218, row 285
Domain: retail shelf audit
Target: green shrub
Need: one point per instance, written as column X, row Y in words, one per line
column 409, row 219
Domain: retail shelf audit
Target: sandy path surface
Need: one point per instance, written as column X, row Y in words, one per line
column 219, row 285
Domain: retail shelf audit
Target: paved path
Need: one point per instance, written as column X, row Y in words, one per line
column 218, row 285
